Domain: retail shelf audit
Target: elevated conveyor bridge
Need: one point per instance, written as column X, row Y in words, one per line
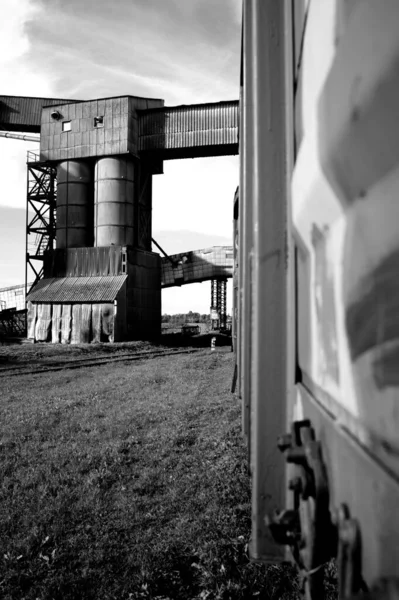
column 196, row 266
column 164, row 133
column 85, row 145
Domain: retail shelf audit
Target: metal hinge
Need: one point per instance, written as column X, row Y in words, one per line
column 314, row 535
column 307, row 528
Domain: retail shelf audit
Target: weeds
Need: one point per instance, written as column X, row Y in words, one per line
column 129, row 482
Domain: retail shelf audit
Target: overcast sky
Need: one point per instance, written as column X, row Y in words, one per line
column 184, row 51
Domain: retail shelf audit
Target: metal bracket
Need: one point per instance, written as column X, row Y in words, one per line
column 308, row 528
column 313, row 534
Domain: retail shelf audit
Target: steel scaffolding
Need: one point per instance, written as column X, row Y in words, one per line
column 40, row 215
column 218, row 303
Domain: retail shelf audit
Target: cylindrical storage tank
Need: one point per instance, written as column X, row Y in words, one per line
column 74, row 228
column 113, row 201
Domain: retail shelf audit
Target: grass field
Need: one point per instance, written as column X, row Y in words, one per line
column 128, row 481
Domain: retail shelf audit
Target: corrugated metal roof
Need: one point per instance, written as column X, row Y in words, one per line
column 77, row 289
column 189, row 127
column 19, row 113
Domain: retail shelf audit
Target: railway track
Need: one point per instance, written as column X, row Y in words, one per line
column 92, row 362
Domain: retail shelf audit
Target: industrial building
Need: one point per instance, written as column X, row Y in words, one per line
column 91, row 190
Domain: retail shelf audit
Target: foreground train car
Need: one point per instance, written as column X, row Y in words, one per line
column 317, row 293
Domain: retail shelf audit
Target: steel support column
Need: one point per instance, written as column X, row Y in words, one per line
column 40, row 226
column 218, row 303
column 269, row 141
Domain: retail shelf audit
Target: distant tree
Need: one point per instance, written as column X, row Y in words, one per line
column 192, row 317
column 180, row 319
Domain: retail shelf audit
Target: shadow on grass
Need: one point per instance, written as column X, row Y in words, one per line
column 178, row 340
column 129, row 484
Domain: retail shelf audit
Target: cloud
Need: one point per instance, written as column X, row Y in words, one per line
column 15, row 74
column 175, row 242
column 184, row 51
column 17, row 78
column 196, row 194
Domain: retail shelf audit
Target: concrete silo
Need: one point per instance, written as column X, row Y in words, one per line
column 101, row 282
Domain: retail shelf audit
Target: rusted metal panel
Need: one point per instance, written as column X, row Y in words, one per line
column 190, row 129
column 18, row 113
column 77, row 289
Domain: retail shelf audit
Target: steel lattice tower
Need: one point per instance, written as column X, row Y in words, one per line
column 218, row 303
column 40, row 227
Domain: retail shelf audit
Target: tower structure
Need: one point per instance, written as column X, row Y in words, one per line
column 101, row 281
column 40, row 226
column 218, row 303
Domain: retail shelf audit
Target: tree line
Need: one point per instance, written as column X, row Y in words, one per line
column 182, row 318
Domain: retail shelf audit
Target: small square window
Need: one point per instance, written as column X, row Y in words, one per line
column 98, row 121
column 66, row 125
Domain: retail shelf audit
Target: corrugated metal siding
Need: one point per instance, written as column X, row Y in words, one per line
column 84, row 262
column 77, row 289
column 193, row 126
column 18, row 113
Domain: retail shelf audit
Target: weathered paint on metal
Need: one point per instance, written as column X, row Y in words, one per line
column 234, row 322
column 114, row 201
column 361, row 480
column 56, row 324
column 360, row 102
column 345, row 212
column 43, row 323
column 270, row 138
column 192, row 129
column 74, row 227
column 85, row 262
column 246, row 201
column 102, row 127
column 77, row 289
column 18, row 113
column 134, row 125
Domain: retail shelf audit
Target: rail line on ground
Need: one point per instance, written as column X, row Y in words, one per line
column 93, row 362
